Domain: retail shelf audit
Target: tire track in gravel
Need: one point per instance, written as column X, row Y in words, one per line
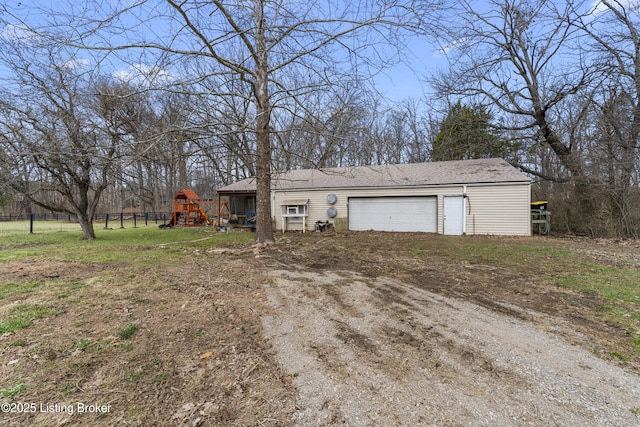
column 376, row 351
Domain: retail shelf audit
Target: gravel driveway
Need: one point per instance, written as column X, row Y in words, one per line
column 377, row 351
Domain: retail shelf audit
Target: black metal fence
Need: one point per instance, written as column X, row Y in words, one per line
column 109, row 219
column 38, row 217
column 137, row 218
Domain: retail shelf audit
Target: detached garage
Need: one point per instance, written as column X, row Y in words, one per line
column 484, row 196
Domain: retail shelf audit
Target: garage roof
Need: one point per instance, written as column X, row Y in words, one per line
column 404, row 175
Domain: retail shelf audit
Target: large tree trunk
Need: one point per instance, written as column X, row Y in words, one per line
column 88, row 233
column 264, row 231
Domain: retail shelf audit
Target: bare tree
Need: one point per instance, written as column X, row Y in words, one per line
column 417, row 132
column 256, row 42
column 55, row 151
column 523, row 59
column 517, row 57
column 224, row 124
column 614, row 29
column 129, row 118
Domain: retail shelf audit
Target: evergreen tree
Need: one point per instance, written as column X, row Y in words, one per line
column 467, row 133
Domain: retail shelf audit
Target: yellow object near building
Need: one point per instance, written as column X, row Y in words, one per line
column 540, row 217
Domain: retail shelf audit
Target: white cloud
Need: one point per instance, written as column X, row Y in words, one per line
column 444, row 50
column 598, row 7
column 143, row 75
column 19, row 33
column 74, row 64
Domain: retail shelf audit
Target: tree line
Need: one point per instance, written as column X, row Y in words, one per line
column 122, row 110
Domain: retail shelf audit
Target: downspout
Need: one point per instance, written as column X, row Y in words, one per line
column 464, row 210
column 274, row 217
column 218, row 213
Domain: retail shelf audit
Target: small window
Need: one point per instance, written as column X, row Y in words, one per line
column 293, row 210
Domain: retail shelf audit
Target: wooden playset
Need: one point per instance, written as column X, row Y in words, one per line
column 188, row 210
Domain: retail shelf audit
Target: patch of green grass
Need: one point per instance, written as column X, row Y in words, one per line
column 70, row 289
column 147, row 245
column 611, row 283
column 21, row 316
column 160, row 377
column 499, row 253
column 128, row 331
column 17, row 254
column 13, row 324
column 89, row 346
column 135, row 376
column 33, row 311
column 15, row 391
column 84, row 363
column 18, row 288
column 86, row 345
column 562, row 266
column 618, row 355
column 77, row 285
column 138, row 300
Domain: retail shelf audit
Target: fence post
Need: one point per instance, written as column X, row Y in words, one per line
column 135, row 223
column 31, row 217
column 106, row 222
column 121, row 219
column 146, row 219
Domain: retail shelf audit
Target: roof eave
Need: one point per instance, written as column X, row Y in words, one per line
column 377, row 187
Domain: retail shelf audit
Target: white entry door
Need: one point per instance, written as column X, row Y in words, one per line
column 453, row 215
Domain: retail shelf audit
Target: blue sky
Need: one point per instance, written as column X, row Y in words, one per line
column 405, row 80
column 401, row 81
column 408, row 81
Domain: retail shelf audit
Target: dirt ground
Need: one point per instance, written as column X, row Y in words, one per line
column 322, row 329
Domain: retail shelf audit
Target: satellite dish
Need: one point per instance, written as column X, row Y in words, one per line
column 332, row 198
column 332, row 212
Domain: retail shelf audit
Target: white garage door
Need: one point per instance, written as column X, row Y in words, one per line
column 394, row 214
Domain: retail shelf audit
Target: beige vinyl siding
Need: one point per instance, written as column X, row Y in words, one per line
column 499, row 209
column 492, row 209
column 317, row 208
column 318, row 204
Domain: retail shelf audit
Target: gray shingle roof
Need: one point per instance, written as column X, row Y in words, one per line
column 404, row 175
